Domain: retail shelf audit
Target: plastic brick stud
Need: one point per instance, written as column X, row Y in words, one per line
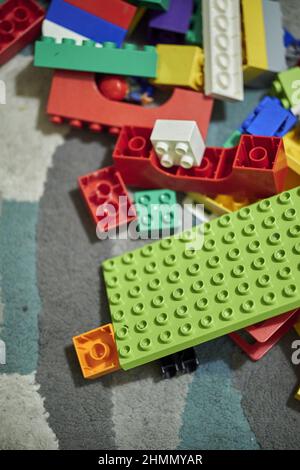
column 286, row 87
column 235, row 271
column 178, row 143
column 96, row 351
column 107, row 199
column 84, row 23
column 53, row 30
column 74, row 96
column 297, row 396
column 89, row 57
column 20, row 24
column 223, row 49
column 256, row 167
column 157, row 211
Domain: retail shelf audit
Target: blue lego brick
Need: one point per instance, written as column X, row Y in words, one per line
column 84, row 23
column 269, row 119
column 157, row 211
column 290, row 40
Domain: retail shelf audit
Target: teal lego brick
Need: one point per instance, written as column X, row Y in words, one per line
column 157, row 211
column 173, row 294
column 194, row 35
column 89, row 57
column 155, row 4
column 233, row 139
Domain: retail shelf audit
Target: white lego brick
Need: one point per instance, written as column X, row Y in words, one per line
column 53, row 30
column 296, row 110
column 222, row 49
column 177, row 143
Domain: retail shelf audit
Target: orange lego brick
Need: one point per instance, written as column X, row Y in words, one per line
column 97, row 352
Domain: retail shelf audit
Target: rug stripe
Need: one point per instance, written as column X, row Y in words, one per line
column 19, row 291
column 213, row 416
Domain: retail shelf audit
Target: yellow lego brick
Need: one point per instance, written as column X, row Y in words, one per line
column 255, row 47
column 292, row 149
column 180, row 66
column 297, row 396
column 222, row 204
column 292, row 180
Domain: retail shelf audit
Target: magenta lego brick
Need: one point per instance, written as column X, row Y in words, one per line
column 176, row 19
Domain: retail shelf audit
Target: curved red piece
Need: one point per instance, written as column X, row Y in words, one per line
column 222, row 171
column 74, row 96
column 20, row 24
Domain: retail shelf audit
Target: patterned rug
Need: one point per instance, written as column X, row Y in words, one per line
column 51, row 289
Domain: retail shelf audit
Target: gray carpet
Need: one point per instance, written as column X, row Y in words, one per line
column 92, row 414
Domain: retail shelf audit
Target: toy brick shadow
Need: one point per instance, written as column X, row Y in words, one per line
column 33, row 82
column 76, row 374
column 285, row 346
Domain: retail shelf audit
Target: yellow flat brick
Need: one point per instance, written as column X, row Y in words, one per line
column 222, row 204
column 292, row 149
column 255, row 47
column 180, row 66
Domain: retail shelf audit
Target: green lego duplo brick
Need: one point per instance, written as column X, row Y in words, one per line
column 233, row 139
column 171, row 295
column 155, row 4
column 157, row 211
column 90, row 57
column 287, row 87
column 194, row 34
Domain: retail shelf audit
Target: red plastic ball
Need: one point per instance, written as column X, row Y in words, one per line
column 114, row 88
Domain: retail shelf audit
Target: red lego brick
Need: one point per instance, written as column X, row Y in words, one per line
column 222, row 171
column 263, row 331
column 117, row 12
column 256, row 350
column 20, row 24
column 75, row 97
column 106, row 197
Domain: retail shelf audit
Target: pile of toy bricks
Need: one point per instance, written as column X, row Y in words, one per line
column 236, row 269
